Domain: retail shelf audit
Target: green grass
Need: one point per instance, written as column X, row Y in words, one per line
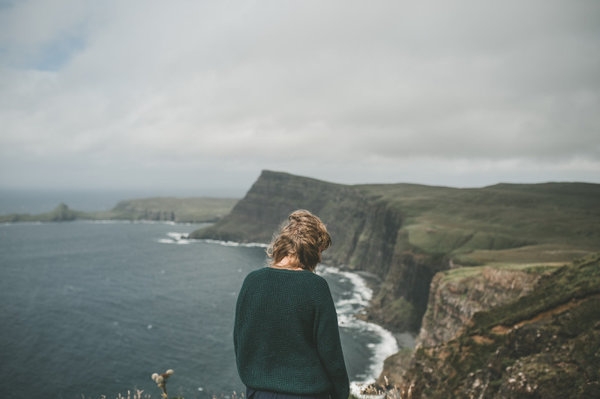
column 511, row 220
column 565, row 284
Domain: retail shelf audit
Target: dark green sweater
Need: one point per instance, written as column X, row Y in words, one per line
column 286, row 334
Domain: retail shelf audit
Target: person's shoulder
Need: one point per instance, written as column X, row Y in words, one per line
column 256, row 273
column 315, row 280
column 315, row 277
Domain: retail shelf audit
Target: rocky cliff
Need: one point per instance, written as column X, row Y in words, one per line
column 489, row 276
column 364, row 229
column 543, row 344
column 456, row 295
column 406, row 233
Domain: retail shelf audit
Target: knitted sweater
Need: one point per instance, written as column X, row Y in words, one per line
column 286, row 334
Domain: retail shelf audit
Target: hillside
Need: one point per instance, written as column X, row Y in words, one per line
column 180, row 210
column 406, row 233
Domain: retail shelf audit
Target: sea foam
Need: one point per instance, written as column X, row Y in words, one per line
column 354, row 303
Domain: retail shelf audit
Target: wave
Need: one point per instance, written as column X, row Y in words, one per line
column 175, row 238
column 353, row 301
column 235, row 244
column 182, row 238
column 349, row 307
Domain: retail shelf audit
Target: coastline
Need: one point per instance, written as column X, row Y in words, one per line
column 349, row 308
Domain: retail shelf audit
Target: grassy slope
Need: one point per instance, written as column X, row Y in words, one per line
column 501, row 223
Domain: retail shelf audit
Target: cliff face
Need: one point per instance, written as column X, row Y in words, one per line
column 366, row 232
column 273, row 197
column 454, row 298
column 546, row 344
column 456, row 295
column 406, row 233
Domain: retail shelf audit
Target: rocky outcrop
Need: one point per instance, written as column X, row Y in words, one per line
column 456, row 295
column 546, row 344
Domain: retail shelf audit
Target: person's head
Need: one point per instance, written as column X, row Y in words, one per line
column 301, row 238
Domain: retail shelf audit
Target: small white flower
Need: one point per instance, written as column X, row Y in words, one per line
column 169, row 372
column 154, row 376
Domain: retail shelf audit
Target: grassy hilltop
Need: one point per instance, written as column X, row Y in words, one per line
column 500, row 223
column 504, row 222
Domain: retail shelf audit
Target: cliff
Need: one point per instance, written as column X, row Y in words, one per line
column 406, row 233
column 457, row 295
column 544, row 344
column 364, row 229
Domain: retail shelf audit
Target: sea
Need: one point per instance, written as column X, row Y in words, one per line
column 91, row 309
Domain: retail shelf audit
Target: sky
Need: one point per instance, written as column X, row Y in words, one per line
column 198, row 97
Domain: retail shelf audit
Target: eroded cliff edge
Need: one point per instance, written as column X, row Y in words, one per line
column 366, row 231
column 406, row 233
column 543, row 344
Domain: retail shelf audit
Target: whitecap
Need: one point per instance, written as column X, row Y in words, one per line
column 356, row 391
column 235, row 244
column 349, row 307
column 175, row 238
column 176, row 235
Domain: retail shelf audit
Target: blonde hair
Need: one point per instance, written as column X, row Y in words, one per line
column 302, row 237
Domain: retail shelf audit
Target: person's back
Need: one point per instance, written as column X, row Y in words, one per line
column 286, row 334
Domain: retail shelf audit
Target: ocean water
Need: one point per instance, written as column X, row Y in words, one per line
column 94, row 308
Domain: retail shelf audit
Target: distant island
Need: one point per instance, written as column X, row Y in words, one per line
column 178, row 210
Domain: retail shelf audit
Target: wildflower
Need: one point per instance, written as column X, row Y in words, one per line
column 161, row 381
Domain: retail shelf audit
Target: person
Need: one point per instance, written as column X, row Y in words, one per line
column 286, row 336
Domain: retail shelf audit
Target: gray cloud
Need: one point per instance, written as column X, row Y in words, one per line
column 123, row 94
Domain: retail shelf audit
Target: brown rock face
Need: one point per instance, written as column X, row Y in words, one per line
column 456, row 295
column 546, row 344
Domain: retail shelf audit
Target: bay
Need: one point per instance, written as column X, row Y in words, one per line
column 94, row 308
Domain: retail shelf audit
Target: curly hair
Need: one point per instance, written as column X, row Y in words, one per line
column 302, row 237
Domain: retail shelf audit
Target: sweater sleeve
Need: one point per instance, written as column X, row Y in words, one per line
column 329, row 346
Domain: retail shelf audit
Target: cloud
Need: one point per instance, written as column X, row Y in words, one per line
column 442, row 92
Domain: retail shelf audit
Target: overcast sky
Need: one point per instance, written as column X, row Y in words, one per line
column 200, row 96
